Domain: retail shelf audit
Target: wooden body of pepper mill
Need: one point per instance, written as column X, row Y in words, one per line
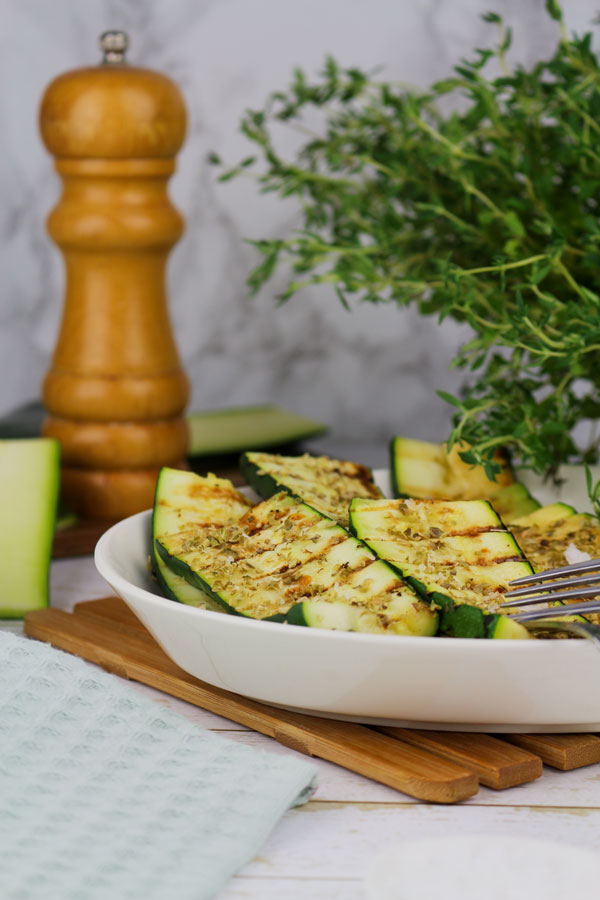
column 115, row 392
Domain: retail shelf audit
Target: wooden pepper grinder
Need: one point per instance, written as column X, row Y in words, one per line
column 115, row 392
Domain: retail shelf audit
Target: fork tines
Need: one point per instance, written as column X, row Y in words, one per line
column 580, row 568
column 556, row 590
column 567, row 610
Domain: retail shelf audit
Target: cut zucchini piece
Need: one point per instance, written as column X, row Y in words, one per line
column 185, row 501
column 283, row 554
column 326, row 484
column 29, row 483
column 513, row 502
column 245, row 428
column 457, row 555
column 410, row 448
column 475, row 483
column 419, row 469
column 401, row 617
column 427, row 471
column 545, row 516
column 502, row 628
column 547, row 534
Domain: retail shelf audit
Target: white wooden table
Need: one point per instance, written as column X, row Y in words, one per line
column 322, row 850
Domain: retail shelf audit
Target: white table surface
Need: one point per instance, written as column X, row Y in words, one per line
column 322, row 850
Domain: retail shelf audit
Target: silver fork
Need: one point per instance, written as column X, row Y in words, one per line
column 533, row 590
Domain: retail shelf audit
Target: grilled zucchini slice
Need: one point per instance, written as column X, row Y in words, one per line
column 427, row 471
column 546, row 534
column 326, row 484
column 401, row 616
column 513, row 502
column 457, row 555
column 184, row 500
column 545, row 516
column 286, row 561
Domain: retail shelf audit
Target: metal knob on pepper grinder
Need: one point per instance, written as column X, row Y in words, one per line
column 115, row 392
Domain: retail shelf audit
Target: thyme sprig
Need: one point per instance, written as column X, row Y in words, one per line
column 479, row 200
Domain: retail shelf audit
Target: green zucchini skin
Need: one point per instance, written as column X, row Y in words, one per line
column 194, row 578
column 461, row 620
column 260, row 481
column 29, row 486
column 184, row 500
column 458, row 618
column 393, row 456
column 499, row 627
column 324, row 483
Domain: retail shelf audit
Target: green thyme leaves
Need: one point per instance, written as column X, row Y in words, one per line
column 478, row 199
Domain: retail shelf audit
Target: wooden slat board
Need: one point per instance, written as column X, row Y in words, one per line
column 561, row 751
column 442, row 767
column 497, row 763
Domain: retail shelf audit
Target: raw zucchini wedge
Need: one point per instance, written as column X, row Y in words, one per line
column 29, row 483
column 427, row 471
column 283, row 555
column 457, row 555
column 185, row 501
column 249, row 427
column 324, row 483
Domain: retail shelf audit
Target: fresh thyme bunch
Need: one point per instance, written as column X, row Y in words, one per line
column 484, row 207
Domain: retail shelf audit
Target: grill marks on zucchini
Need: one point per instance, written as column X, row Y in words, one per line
column 456, row 554
column 183, row 501
column 326, row 484
column 284, row 560
column 547, row 533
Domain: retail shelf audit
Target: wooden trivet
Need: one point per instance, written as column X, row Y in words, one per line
column 441, row 767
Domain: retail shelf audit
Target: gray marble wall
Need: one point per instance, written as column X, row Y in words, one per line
column 368, row 373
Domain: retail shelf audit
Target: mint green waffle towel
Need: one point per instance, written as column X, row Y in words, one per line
column 104, row 794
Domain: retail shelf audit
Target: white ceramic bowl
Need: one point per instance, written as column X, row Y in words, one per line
column 380, row 679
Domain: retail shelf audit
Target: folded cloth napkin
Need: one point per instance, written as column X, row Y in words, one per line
column 103, row 793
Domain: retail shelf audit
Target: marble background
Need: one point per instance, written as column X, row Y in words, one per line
column 369, row 373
